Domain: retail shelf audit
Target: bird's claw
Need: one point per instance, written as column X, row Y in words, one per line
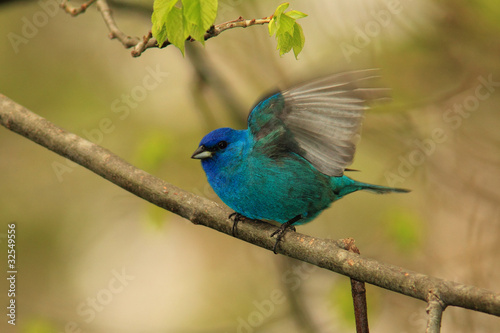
column 236, row 217
column 279, row 233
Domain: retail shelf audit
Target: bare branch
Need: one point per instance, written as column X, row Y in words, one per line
column 139, row 45
column 74, row 11
column 358, row 292
column 214, row 31
column 240, row 22
column 114, row 32
column 328, row 254
column 435, row 310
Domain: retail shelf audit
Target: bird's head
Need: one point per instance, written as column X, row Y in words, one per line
column 221, row 146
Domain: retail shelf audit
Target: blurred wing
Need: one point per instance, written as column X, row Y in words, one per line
column 319, row 120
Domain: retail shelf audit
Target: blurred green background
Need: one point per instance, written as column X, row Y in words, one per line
column 94, row 258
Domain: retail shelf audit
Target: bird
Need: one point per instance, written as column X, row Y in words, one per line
column 289, row 164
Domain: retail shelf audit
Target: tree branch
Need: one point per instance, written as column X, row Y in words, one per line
column 114, row 32
column 358, row 292
column 74, row 11
column 139, row 45
column 434, row 310
column 328, row 254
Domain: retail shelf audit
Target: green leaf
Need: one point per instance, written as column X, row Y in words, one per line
column 281, row 8
column 284, row 43
column 161, row 10
column 286, row 25
column 298, row 40
column 276, row 20
column 159, row 31
column 197, row 33
column 272, row 26
column 200, row 12
column 200, row 15
column 193, row 19
column 176, row 33
column 295, row 14
column 289, row 34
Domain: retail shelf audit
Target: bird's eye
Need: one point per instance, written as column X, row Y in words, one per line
column 222, row 144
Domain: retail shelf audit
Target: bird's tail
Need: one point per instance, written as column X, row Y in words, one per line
column 381, row 189
column 345, row 185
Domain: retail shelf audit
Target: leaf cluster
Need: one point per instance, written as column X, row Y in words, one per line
column 289, row 34
column 176, row 20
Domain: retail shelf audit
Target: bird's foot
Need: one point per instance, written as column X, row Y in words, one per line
column 280, row 232
column 236, row 217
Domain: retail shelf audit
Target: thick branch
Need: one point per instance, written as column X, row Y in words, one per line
column 324, row 253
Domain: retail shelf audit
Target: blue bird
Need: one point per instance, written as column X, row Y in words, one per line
column 288, row 165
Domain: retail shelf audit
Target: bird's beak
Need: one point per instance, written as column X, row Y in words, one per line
column 201, row 153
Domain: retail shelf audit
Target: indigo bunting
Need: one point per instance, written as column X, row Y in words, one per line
column 288, row 165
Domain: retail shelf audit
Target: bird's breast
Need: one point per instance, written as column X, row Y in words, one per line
column 264, row 188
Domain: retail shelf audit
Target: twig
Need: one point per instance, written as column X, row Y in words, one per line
column 358, row 291
column 434, row 310
column 147, row 42
column 139, row 45
column 74, row 11
column 114, row 32
column 323, row 253
column 240, row 22
column 214, row 31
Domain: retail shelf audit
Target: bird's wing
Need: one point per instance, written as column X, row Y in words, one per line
column 319, row 120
